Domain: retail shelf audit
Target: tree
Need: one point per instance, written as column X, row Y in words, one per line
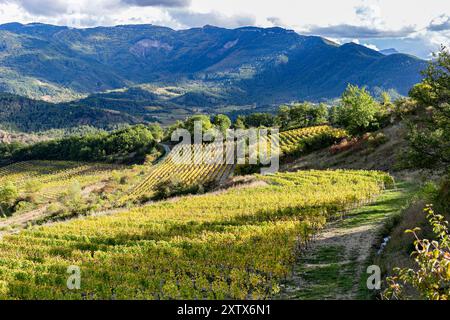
column 301, row 115
column 168, row 132
column 8, row 196
column 204, row 120
column 239, row 123
column 222, row 122
column 319, row 114
column 100, row 146
column 283, row 116
column 358, row 111
column 157, row 131
column 259, row 119
column 429, row 136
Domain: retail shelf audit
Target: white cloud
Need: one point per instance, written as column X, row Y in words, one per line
column 371, row 46
column 415, row 25
column 187, row 18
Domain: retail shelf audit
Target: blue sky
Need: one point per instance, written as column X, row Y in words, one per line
column 417, row 27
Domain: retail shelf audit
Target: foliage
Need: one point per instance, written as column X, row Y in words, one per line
column 8, row 149
column 300, row 115
column 157, row 131
column 404, row 107
column 175, row 187
column 23, row 114
column 222, row 122
column 429, row 135
column 431, row 277
column 259, row 119
column 118, row 145
column 8, row 196
column 204, row 120
column 239, row 123
column 358, row 111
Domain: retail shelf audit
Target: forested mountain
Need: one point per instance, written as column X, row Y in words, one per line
column 262, row 66
column 23, row 114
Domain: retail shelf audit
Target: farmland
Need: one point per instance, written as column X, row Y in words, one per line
column 50, row 179
column 236, row 244
column 187, row 167
column 292, row 141
column 191, row 168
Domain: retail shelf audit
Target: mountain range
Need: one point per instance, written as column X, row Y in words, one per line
column 149, row 72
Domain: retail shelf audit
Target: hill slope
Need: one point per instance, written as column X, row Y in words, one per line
column 23, row 114
column 270, row 65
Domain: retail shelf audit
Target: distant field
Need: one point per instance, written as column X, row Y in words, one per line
column 236, row 244
column 49, row 179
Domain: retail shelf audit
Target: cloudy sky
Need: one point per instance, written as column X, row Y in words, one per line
column 412, row 26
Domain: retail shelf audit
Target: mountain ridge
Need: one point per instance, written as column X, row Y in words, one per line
column 214, row 67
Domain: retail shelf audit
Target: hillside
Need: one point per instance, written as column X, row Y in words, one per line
column 237, row 244
column 24, row 114
column 266, row 66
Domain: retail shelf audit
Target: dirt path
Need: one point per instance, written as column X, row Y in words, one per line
column 334, row 267
column 20, row 221
column 8, row 225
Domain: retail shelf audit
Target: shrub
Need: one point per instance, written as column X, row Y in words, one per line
column 431, row 279
column 175, row 187
column 8, row 197
column 429, row 133
column 376, row 140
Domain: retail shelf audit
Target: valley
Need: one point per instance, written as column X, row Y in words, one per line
column 142, row 162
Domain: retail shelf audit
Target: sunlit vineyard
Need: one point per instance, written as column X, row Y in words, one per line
column 193, row 170
column 49, row 179
column 235, row 244
column 294, row 140
column 189, row 167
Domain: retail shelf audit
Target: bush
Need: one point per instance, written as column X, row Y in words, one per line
column 431, row 278
column 175, row 187
column 376, row 140
column 8, row 197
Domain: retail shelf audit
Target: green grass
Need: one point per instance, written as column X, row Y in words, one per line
column 388, row 205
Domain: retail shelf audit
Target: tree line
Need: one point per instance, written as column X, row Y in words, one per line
column 124, row 145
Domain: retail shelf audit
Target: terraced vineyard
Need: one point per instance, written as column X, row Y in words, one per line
column 193, row 170
column 188, row 167
column 236, row 244
column 52, row 178
column 294, row 140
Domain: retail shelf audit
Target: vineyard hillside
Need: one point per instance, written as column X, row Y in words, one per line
column 236, row 244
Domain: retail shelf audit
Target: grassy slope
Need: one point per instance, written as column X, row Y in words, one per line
column 382, row 158
column 328, row 270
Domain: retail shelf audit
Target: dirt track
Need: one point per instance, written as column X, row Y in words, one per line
column 334, row 266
